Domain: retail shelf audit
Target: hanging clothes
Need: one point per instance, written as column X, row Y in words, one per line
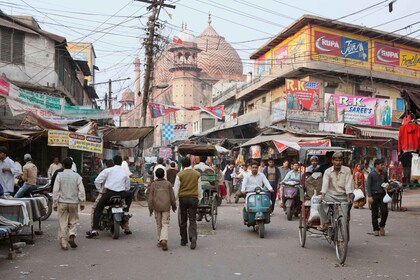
column 409, row 137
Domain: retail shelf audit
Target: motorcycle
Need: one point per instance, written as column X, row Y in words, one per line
column 42, row 191
column 113, row 216
column 256, row 212
column 291, row 200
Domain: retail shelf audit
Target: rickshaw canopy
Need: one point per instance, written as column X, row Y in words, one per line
column 197, row 150
column 304, row 152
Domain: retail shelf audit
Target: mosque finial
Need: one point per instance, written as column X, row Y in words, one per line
column 182, row 26
column 185, row 26
column 209, row 21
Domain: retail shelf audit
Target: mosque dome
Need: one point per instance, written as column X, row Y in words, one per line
column 217, row 57
column 127, row 96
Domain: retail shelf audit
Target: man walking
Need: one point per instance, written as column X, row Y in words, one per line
column 171, row 173
column 188, row 188
column 273, row 175
column 30, row 173
column 117, row 183
column 376, row 190
column 68, row 193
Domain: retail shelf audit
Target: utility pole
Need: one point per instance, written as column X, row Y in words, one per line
column 155, row 7
column 108, row 97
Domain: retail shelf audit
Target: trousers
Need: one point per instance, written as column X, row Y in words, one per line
column 162, row 223
column 188, row 206
column 68, row 217
column 377, row 204
column 323, row 208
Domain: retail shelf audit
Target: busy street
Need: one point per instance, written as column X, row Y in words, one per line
column 233, row 251
column 209, row 139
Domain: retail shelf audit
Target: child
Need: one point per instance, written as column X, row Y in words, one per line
column 161, row 198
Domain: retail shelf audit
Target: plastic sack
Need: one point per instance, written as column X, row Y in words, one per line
column 415, row 167
column 387, row 199
column 315, row 200
column 358, row 194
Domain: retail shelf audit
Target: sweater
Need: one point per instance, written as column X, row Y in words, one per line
column 161, row 196
column 68, row 188
column 188, row 183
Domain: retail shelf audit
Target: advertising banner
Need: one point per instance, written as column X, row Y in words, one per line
column 410, row 59
column 302, row 95
column 298, row 47
column 255, row 151
column 358, row 110
column 75, row 141
column 174, row 132
column 280, row 56
column 165, row 153
column 327, row 43
column 354, row 49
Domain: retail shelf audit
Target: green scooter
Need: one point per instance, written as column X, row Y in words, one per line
column 256, row 212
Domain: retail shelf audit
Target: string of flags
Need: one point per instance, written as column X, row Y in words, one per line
column 158, row 110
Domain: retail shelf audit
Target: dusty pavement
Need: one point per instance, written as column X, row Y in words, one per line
column 231, row 252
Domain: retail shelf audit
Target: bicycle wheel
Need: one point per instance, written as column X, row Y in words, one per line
column 341, row 241
column 302, row 231
column 213, row 212
column 143, row 199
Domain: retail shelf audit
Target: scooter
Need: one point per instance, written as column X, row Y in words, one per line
column 113, row 216
column 291, row 201
column 256, row 212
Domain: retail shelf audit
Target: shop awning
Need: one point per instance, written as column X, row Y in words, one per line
column 126, row 133
column 225, row 126
column 285, row 137
column 377, row 132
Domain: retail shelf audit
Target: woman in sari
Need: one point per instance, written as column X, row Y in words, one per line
column 359, row 183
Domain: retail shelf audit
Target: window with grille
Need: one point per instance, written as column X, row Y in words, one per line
column 12, row 46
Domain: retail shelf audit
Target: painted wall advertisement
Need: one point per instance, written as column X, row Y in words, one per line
column 278, row 111
column 303, row 100
column 358, row 110
column 75, row 141
column 336, row 48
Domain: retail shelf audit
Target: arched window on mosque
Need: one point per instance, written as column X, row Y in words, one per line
column 187, row 58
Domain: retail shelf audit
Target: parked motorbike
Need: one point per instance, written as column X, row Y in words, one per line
column 42, row 191
column 113, row 216
column 291, row 200
column 256, row 212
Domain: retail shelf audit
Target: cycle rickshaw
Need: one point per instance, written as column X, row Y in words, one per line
column 207, row 207
column 338, row 233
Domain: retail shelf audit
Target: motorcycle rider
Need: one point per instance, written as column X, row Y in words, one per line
column 117, row 183
column 30, row 172
column 292, row 175
column 253, row 180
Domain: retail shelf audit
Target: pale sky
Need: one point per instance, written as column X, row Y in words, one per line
column 117, row 33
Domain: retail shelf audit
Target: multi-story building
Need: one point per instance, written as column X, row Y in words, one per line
column 353, row 77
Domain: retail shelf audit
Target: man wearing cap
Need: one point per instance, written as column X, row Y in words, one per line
column 337, row 186
column 314, row 165
column 30, row 172
column 8, row 171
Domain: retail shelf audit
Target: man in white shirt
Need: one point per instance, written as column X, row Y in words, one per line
column 159, row 165
column 253, row 180
column 8, row 171
column 117, row 183
column 54, row 166
column 18, row 167
column 125, row 167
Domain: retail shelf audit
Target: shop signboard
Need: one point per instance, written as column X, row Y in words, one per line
column 85, row 143
column 58, row 138
column 75, row 141
column 316, row 143
column 358, row 110
column 174, row 132
column 331, row 127
column 386, row 55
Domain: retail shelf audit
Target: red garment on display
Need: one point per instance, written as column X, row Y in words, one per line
column 408, row 137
